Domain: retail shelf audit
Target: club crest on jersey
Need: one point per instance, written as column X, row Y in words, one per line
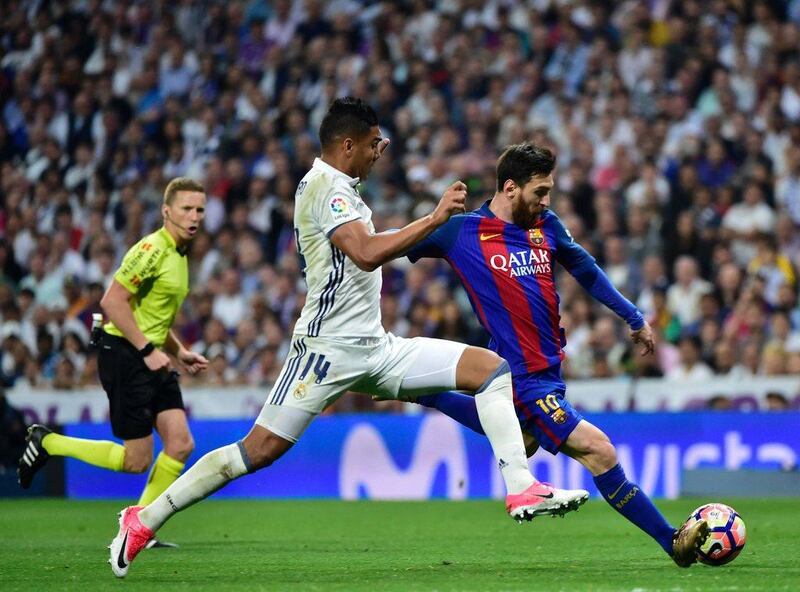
column 524, row 262
column 536, row 237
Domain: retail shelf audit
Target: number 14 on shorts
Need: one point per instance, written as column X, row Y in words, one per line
column 320, row 366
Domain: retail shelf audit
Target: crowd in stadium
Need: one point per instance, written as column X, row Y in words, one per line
column 676, row 124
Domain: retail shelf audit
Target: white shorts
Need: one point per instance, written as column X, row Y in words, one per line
column 318, row 371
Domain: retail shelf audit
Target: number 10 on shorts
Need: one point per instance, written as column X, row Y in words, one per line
column 548, row 404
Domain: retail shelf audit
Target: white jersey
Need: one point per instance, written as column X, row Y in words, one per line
column 342, row 300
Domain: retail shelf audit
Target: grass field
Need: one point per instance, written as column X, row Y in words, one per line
column 329, row 545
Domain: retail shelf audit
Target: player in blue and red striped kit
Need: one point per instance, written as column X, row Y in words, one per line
column 505, row 254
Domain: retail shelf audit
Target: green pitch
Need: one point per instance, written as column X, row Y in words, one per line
column 315, row 545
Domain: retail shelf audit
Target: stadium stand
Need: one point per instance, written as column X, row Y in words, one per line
column 679, row 165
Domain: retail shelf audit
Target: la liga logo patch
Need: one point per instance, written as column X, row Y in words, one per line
column 339, row 206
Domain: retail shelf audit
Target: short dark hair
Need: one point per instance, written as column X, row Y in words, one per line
column 522, row 162
column 347, row 116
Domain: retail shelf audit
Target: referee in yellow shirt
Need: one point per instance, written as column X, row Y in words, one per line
column 141, row 303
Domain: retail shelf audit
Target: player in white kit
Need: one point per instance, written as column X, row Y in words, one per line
column 339, row 343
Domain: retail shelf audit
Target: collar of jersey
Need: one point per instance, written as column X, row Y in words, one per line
column 324, row 166
column 181, row 251
column 484, row 209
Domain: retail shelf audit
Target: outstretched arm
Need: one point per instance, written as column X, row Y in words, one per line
column 582, row 266
column 596, row 282
column 370, row 251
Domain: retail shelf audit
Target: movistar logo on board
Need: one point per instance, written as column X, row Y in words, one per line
column 525, row 262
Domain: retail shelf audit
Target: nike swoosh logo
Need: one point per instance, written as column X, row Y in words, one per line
column 485, row 237
column 613, row 495
column 549, row 495
column 121, row 559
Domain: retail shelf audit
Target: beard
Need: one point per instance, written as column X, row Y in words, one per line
column 522, row 215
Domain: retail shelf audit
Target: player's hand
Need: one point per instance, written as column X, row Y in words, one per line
column 192, row 361
column 157, row 360
column 453, row 202
column 383, row 145
column 645, row 338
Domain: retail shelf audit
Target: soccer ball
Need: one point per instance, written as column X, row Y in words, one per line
column 726, row 537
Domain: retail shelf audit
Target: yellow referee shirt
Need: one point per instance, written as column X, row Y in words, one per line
column 158, row 277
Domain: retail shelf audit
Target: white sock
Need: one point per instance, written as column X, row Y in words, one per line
column 209, row 474
column 499, row 420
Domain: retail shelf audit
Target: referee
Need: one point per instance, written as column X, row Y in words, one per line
column 143, row 392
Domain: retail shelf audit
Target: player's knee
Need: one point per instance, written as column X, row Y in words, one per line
column 494, row 363
column 476, row 368
column 602, row 454
column 180, row 448
column 264, row 449
column 138, row 462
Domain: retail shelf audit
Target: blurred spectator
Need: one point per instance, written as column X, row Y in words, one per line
column 683, row 297
column 719, row 403
column 691, row 366
column 776, row 401
column 744, row 221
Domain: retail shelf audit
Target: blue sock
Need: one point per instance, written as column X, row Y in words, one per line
column 630, row 501
column 459, row 406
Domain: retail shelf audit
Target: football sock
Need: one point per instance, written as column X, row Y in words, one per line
column 208, row 474
column 162, row 474
column 100, row 453
column 459, row 406
column 630, row 501
column 495, row 405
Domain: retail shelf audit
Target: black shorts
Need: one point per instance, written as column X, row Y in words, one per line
column 136, row 394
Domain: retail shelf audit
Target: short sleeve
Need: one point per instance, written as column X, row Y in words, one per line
column 140, row 263
column 427, row 247
column 569, row 253
column 439, row 242
column 335, row 209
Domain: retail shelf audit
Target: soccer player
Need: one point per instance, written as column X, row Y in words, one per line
column 143, row 393
column 505, row 254
column 339, row 343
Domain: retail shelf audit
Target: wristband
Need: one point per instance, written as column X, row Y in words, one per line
column 147, row 349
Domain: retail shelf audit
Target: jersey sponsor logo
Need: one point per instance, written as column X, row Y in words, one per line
column 142, row 264
column 488, row 236
column 521, row 263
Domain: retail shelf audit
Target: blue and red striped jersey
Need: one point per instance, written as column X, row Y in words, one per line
column 509, row 275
